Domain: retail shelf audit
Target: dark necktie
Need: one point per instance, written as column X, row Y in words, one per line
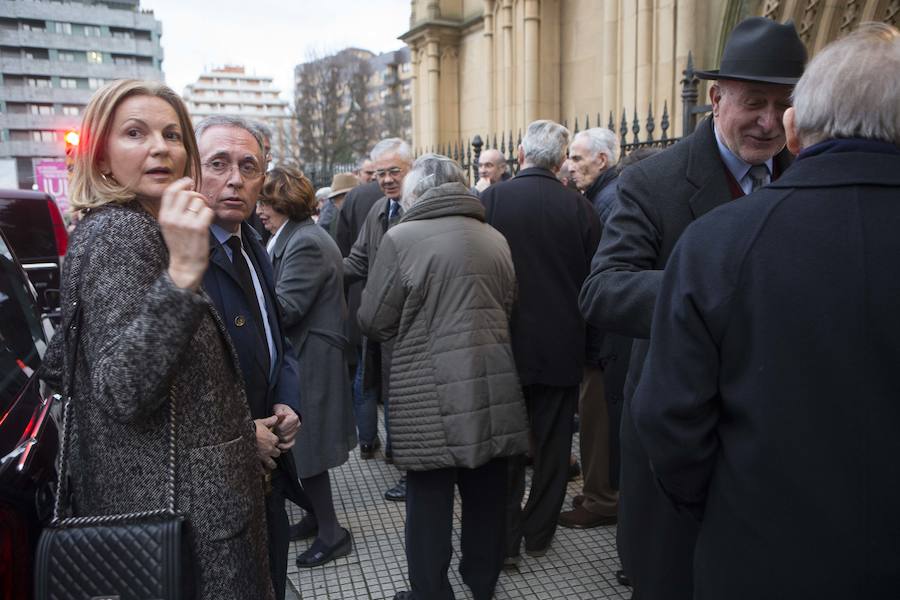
column 758, row 176
column 243, row 272
column 394, row 213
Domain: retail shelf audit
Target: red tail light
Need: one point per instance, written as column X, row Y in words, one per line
column 59, row 229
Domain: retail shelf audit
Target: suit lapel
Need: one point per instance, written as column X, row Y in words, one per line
column 706, row 172
column 280, row 244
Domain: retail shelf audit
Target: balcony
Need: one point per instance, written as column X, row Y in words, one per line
column 44, row 95
column 75, row 12
column 30, row 121
column 46, row 39
column 27, row 148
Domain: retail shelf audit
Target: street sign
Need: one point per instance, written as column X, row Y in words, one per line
column 51, row 177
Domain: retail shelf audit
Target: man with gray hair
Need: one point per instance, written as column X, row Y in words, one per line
column 392, row 159
column 768, row 405
column 592, row 161
column 552, row 233
column 728, row 156
column 492, row 168
column 240, row 284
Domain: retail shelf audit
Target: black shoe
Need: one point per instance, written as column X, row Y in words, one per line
column 538, row 552
column 511, row 562
column 388, row 456
column 305, row 528
column 319, row 553
column 574, row 470
column 404, row 596
column 622, row 578
column 367, row 451
column 398, row 492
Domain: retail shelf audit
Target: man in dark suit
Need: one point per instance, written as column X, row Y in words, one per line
column 657, row 199
column 357, row 204
column 552, row 233
column 768, row 405
column 240, row 283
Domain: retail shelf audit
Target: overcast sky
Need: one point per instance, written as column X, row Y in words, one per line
column 269, row 37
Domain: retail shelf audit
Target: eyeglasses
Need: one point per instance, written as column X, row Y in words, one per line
column 247, row 168
column 394, row 172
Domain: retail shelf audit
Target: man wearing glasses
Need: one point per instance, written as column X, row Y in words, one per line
column 240, row 283
column 392, row 159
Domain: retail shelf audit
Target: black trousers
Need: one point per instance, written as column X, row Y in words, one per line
column 551, row 410
column 277, row 525
column 429, row 524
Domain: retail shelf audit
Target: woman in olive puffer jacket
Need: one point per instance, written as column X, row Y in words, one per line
column 443, row 284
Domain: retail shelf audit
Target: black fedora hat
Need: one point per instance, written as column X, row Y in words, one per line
column 759, row 49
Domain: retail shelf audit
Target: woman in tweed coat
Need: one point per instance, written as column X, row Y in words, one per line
column 443, row 285
column 309, row 285
column 149, row 336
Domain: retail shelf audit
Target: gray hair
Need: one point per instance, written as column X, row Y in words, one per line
column 600, row 140
column 252, row 127
column 544, row 144
column 429, row 171
column 322, row 193
column 501, row 160
column 851, row 88
column 392, row 146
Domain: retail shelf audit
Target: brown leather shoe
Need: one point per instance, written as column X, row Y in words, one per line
column 582, row 518
column 578, row 500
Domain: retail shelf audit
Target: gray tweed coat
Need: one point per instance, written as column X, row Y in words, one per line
column 310, row 290
column 141, row 337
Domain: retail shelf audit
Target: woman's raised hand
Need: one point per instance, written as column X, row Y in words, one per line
column 184, row 219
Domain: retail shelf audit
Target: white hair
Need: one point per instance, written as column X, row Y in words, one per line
column 254, row 128
column 600, row 140
column 322, row 193
column 429, row 171
column 852, row 88
column 391, row 146
column 544, row 144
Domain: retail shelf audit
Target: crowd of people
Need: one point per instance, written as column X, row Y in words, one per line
column 730, row 359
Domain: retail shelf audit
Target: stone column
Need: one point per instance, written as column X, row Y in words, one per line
column 611, row 100
column 685, row 41
column 490, row 70
column 415, row 63
column 644, row 60
column 433, row 75
column 532, row 59
column 506, row 106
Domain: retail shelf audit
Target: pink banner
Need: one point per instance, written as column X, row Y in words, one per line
column 51, row 177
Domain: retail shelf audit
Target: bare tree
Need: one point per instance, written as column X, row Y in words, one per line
column 332, row 109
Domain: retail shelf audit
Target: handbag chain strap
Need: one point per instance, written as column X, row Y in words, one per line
column 72, row 350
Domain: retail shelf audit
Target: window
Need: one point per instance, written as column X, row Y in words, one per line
column 94, row 57
column 125, row 34
column 122, row 59
column 65, row 28
column 44, row 136
column 71, row 110
column 96, row 83
column 35, row 53
column 68, row 83
column 33, row 26
column 91, row 31
column 37, row 82
column 41, row 109
column 63, row 56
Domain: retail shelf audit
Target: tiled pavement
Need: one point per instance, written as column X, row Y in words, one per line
column 580, row 564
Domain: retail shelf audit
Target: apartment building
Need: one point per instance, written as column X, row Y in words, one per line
column 230, row 90
column 53, row 55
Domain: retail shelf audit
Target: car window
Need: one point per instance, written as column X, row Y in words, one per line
column 21, row 337
column 27, row 225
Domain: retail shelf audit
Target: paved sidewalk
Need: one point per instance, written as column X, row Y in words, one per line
column 580, row 564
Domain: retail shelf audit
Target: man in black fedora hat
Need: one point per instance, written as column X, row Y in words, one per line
column 740, row 148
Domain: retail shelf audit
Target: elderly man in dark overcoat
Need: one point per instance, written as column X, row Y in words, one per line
column 769, row 401
column 552, row 233
column 740, row 148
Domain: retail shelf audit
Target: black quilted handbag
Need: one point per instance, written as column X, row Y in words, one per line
column 136, row 556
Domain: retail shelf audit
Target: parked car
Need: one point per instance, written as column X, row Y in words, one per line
column 29, row 438
column 36, row 230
